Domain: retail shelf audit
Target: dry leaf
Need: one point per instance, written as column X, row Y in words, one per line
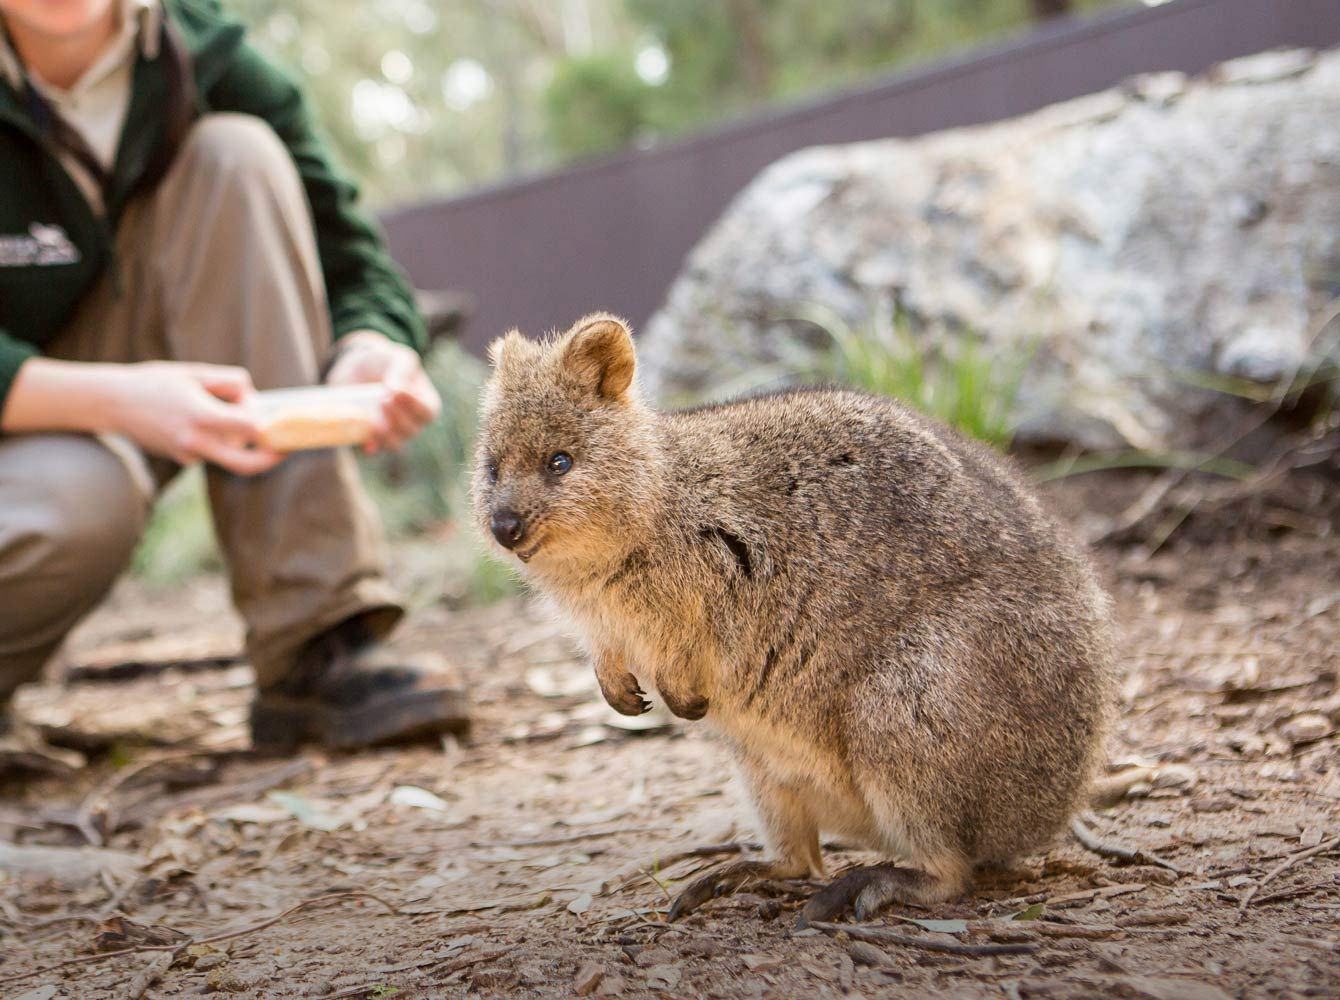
column 418, row 798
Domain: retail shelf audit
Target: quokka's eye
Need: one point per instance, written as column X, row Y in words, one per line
column 560, row 463
column 493, row 472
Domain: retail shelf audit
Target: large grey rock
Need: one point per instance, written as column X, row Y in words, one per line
column 1130, row 240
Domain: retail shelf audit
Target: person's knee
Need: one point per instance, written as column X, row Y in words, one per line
column 71, row 513
column 229, row 147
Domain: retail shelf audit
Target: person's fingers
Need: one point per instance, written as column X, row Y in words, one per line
column 402, row 370
column 415, row 403
column 352, row 367
column 237, row 458
column 404, row 417
column 393, row 429
column 229, row 419
column 379, row 434
column 227, row 382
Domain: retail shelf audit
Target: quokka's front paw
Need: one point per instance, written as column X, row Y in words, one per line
column 624, row 694
column 692, row 706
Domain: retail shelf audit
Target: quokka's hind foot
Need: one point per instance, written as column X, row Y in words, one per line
column 870, row 888
column 728, row 879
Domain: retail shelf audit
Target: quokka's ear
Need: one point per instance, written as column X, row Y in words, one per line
column 505, row 347
column 599, row 352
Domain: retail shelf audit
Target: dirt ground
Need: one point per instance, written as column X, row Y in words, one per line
column 538, row 857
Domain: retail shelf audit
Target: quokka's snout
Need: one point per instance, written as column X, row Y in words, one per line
column 898, row 644
column 507, row 527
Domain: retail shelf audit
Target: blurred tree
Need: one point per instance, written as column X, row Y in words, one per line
column 429, row 96
column 596, row 103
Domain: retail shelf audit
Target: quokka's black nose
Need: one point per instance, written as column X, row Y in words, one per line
column 508, row 528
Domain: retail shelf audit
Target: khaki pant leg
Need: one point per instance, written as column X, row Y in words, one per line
column 220, row 265
column 71, row 513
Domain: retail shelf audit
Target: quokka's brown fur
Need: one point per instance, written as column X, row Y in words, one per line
column 901, row 648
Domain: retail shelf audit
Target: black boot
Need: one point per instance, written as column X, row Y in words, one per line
column 348, row 690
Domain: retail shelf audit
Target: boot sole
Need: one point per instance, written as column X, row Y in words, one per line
column 283, row 724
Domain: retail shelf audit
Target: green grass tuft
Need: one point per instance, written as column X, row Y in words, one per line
column 959, row 380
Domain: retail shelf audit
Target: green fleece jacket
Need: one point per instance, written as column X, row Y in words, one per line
column 53, row 247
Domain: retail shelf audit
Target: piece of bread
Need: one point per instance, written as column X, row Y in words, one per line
column 296, row 431
column 322, row 416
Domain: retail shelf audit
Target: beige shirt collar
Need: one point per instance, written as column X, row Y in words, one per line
column 139, row 25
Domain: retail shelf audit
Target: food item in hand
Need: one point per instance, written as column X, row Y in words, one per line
column 317, row 417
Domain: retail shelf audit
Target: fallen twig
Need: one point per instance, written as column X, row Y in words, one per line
column 1090, row 931
column 147, row 976
column 219, row 794
column 879, row 935
column 329, row 898
column 95, row 803
column 178, row 947
column 1091, row 841
column 555, row 841
column 1281, row 868
column 466, row 961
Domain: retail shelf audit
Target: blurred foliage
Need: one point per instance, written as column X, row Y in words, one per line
column 179, row 541
column 957, row 380
column 429, row 482
column 595, row 103
column 426, row 98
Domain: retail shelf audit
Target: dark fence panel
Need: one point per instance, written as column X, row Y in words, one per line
column 612, row 235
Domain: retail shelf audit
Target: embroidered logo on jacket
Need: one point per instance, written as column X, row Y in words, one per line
column 43, row 246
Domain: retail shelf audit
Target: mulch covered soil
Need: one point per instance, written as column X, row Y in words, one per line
column 538, row 858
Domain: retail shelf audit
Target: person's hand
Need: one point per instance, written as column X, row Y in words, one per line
column 190, row 413
column 411, row 401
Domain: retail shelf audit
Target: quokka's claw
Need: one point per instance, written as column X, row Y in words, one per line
column 695, row 895
column 726, row 879
column 693, row 709
column 865, row 890
column 625, row 696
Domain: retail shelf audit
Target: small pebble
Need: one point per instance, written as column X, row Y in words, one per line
column 1306, row 727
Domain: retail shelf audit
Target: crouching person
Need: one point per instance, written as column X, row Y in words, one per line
column 173, row 236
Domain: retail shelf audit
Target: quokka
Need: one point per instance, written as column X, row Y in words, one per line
column 899, row 646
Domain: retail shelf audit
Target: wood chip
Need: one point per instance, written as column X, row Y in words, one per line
column 864, row 953
column 664, row 977
column 587, row 979
column 762, row 963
